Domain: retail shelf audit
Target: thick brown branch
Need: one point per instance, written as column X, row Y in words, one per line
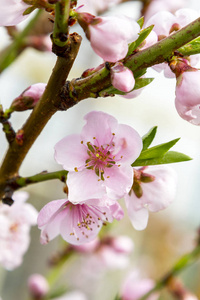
column 41, row 114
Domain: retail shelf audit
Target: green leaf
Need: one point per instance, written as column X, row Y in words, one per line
column 157, row 151
column 140, row 73
column 191, row 48
column 167, row 158
column 148, row 137
column 142, row 82
column 141, row 22
column 142, row 36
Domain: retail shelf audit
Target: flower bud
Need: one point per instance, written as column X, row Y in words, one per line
column 109, row 36
column 187, row 100
column 38, row 286
column 122, row 78
column 29, row 97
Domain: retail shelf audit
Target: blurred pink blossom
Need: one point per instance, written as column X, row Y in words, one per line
column 160, row 5
column 122, row 78
column 109, row 36
column 134, row 287
column 15, row 238
column 187, row 100
column 153, row 189
column 11, row 12
column 77, row 224
column 99, row 159
column 94, row 7
column 38, row 286
column 74, row 295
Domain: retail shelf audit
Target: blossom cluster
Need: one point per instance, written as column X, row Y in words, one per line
column 99, row 168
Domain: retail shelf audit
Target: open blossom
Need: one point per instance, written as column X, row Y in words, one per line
column 16, row 221
column 122, row 78
column 77, row 224
column 153, row 189
column 99, row 159
column 109, row 36
column 11, row 12
column 29, row 97
column 134, row 287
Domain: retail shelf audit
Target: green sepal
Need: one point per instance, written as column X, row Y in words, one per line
column 148, row 137
column 142, row 36
column 191, row 48
column 168, row 158
column 141, row 22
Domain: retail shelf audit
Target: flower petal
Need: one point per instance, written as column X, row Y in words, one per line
column 84, row 185
column 71, row 153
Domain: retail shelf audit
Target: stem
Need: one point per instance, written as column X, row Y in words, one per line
column 41, row 114
column 60, row 33
column 9, row 54
column 44, row 176
column 185, row 261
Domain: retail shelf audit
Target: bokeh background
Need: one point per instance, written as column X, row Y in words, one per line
column 169, row 233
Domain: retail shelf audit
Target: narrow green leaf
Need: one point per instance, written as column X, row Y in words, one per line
column 168, row 158
column 142, row 36
column 140, row 73
column 148, row 137
column 142, row 82
column 191, row 48
column 157, row 151
column 141, row 22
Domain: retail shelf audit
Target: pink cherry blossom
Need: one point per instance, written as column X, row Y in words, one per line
column 122, row 78
column 28, row 98
column 153, row 189
column 38, row 286
column 109, row 36
column 187, row 100
column 99, row 159
column 77, row 224
column 16, row 221
column 11, row 12
column 134, row 287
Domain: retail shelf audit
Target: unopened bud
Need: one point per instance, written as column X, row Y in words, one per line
column 38, row 286
column 29, row 97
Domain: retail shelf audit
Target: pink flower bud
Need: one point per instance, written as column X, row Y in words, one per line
column 38, row 286
column 122, row 78
column 187, row 100
column 109, row 36
column 11, row 12
column 29, row 97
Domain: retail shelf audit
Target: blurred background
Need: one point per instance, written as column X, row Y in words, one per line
column 169, row 233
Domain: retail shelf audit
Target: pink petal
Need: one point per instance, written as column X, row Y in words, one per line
column 119, row 182
column 138, row 217
column 99, row 125
column 71, row 153
column 122, row 78
column 84, row 185
column 11, row 12
column 48, row 211
column 128, row 144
